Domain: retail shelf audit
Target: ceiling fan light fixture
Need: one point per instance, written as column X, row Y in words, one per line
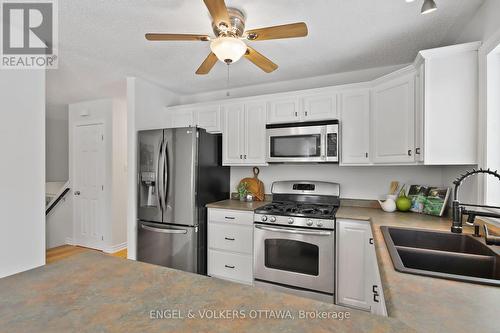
column 228, row 49
column 429, row 6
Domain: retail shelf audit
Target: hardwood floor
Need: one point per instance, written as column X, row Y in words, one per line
column 61, row 252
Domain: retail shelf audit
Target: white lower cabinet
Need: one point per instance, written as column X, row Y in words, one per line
column 358, row 282
column 230, row 245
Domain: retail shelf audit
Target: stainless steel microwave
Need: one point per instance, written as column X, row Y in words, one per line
column 308, row 142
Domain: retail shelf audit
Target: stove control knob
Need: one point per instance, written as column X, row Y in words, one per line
column 319, row 224
column 290, row 220
column 272, row 219
column 263, row 218
column 309, row 222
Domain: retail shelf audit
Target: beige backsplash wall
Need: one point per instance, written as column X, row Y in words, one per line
column 370, row 182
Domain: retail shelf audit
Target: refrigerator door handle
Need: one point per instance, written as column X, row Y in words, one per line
column 164, row 231
column 159, row 178
column 166, row 174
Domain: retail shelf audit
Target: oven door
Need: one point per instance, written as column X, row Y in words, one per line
column 296, row 144
column 332, row 143
column 302, row 258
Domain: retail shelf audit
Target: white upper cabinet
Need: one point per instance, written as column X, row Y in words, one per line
column 309, row 107
column 233, row 138
column 255, row 133
column 319, row 107
column 209, row 118
column 393, row 119
column 182, row 118
column 355, row 127
column 450, row 104
column 204, row 116
column 244, row 135
column 283, row 110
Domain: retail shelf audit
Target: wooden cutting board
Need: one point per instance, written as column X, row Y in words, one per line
column 255, row 186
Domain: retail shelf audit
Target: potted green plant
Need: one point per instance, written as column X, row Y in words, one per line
column 243, row 190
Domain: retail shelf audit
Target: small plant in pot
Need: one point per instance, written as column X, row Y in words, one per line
column 243, row 190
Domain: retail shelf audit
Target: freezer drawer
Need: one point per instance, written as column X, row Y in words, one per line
column 168, row 245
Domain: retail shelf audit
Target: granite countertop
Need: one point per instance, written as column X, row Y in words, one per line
column 424, row 303
column 238, row 205
column 92, row 292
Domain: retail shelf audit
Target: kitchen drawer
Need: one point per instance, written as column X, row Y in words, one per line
column 230, row 237
column 230, row 216
column 230, row 266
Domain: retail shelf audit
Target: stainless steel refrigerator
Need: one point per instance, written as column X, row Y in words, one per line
column 179, row 171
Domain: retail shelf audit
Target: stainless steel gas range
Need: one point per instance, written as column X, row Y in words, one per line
column 294, row 239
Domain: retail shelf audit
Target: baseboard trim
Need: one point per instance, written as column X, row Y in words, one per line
column 115, row 248
column 70, row 241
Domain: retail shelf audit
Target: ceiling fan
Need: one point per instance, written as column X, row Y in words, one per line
column 228, row 46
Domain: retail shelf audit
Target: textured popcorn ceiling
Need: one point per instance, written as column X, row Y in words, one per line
column 102, row 41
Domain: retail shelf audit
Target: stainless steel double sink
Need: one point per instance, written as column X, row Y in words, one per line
column 443, row 255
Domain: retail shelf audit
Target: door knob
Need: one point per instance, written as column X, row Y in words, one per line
column 77, row 192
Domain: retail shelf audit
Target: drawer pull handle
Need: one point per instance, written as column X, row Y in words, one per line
column 229, row 217
column 229, row 238
column 229, row 266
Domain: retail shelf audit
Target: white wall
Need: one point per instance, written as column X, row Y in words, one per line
column 56, row 143
column 146, row 110
column 366, row 182
column 484, row 24
column 22, row 170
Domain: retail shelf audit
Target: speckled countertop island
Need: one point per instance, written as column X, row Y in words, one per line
column 92, row 292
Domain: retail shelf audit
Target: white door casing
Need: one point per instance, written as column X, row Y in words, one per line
column 88, row 185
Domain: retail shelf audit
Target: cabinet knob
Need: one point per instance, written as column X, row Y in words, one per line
column 409, row 152
column 305, row 113
column 241, row 157
column 366, row 155
column 245, row 157
column 417, row 151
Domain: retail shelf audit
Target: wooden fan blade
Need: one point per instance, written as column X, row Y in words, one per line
column 207, row 64
column 180, row 37
column 277, row 32
column 260, row 61
column 218, row 11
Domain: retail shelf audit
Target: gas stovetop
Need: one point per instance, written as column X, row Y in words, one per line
column 316, row 211
column 306, row 204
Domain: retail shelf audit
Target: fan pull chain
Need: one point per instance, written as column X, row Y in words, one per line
column 227, row 81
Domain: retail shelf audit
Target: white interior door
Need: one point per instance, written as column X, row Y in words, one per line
column 88, row 185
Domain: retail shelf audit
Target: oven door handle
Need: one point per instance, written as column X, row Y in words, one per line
column 295, row 231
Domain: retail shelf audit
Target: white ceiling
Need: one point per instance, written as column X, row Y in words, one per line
column 102, row 41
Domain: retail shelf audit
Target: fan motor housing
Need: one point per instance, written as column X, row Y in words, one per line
column 237, row 20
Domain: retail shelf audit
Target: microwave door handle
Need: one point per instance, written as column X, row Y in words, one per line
column 323, row 142
column 295, row 231
column 159, row 179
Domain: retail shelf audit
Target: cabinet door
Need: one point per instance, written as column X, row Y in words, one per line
column 355, row 127
column 319, row 107
column 358, row 278
column 182, row 118
column 233, row 135
column 255, row 133
column 209, row 118
column 283, row 111
column 353, row 264
column 393, row 125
